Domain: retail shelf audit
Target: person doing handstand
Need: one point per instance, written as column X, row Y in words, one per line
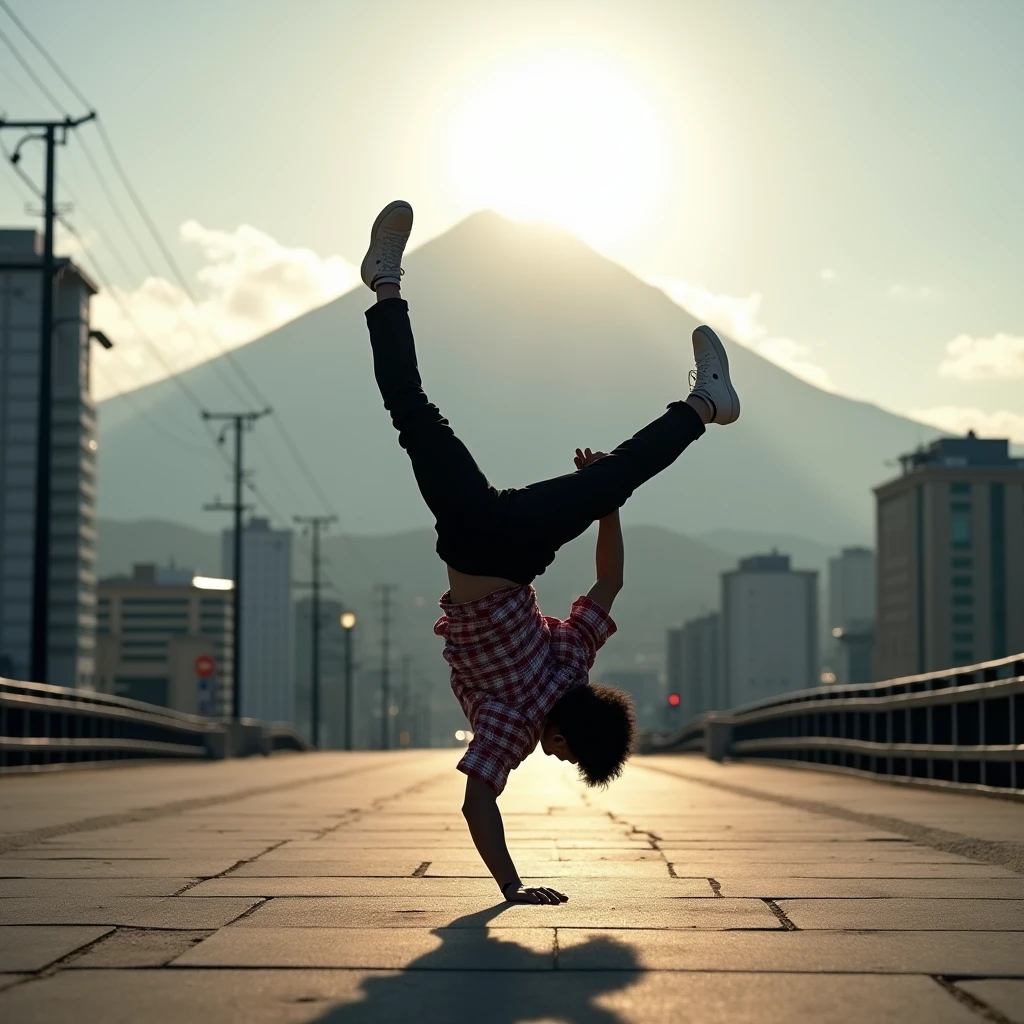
column 520, row 676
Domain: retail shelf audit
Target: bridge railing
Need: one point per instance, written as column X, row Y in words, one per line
column 962, row 727
column 44, row 727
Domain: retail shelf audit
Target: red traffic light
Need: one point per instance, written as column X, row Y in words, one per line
column 673, row 700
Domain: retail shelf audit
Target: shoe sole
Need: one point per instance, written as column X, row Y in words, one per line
column 390, row 208
column 724, row 360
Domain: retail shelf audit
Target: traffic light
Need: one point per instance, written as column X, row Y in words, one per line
column 673, row 700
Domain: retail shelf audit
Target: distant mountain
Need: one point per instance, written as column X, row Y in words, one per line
column 532, row 344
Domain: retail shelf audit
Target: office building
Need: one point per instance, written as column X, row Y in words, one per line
column 71, row 620
column 267, row 656
column 164, row 637
column 693, row 666
column 769, row 629
column 950, row 527
column 851, row 615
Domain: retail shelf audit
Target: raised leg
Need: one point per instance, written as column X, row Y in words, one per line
column 452, row 484
column 552, row 512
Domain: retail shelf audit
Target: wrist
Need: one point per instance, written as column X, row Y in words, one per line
column 510, row 886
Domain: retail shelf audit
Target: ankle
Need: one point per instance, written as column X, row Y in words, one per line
column 388, row 291
column 702, row 407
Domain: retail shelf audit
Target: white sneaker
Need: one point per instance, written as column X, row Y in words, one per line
column 710, row 380
column 382, row 263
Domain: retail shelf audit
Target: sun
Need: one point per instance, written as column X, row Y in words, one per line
column 568, row 139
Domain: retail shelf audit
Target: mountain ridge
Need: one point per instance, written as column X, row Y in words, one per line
column 532, row 344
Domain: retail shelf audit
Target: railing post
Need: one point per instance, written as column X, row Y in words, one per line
column 717, row 738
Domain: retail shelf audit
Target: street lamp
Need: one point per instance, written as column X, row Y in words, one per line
column 348, row 621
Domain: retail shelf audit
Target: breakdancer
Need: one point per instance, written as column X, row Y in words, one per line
column 520, row 676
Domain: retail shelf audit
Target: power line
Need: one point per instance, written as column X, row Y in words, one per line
column 49, row 60
column 29, row 70
column 293, row 448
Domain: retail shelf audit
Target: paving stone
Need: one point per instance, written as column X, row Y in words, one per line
column 585, row 912
column 134, row 947
column 621, row 996
column 837, row 869
column 467, row 947
column 907, row 914
column 317, row 886
column 140, row 912
column 338, row 867
column 94, row 888
column 820, row 853
column 530, row 869
column 26, row 948
column 831, row 888
column 906, row 952
column 1003, row 994
column 198, row 868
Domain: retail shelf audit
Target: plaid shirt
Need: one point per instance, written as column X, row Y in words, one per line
column 510, row 664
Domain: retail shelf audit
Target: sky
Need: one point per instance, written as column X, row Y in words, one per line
column 835, row 183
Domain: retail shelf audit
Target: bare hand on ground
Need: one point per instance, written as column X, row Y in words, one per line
column 539, row 894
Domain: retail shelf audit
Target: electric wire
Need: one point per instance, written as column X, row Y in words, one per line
column 293, row 448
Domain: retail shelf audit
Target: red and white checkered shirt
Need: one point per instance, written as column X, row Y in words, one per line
column 510, row 665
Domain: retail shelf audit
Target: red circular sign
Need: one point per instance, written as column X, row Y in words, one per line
column 205, row 666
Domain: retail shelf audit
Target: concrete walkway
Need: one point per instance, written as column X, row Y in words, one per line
column 345, row 889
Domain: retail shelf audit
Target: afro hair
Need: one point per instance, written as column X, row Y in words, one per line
column 598, row 723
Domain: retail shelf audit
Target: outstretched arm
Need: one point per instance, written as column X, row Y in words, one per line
column 610, row 555
column 480, row 809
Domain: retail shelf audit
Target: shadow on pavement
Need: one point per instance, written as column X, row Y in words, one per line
column 439, row 987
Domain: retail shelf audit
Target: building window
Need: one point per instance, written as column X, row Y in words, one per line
column 962, row 581
column 963, row 563
column 963, row 656
column 963, row 638
column 132, row 656
column 963, row 600
column 960, row 488
column 960, row 530
column 960, row 506
column 963, row 619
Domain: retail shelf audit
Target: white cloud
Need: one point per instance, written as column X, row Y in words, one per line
column 1001, row 356
column 958, row 420
column 249, row 284
column 903, row 291
column 827, row 274
column 739, row 317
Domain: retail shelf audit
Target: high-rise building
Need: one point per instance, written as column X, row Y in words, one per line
column 950, row 528
column 267, row 660
column 165, row 637
column 851, row 615
column 769, row 629
column 694, row 652
column 71, row 620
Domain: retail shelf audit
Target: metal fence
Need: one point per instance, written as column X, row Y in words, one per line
column 962, row 728
column 45, row 727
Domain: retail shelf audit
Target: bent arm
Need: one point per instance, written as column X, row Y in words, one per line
column 480, row 809
column 610, row 559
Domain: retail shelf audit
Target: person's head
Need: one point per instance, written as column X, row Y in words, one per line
column 591, row 727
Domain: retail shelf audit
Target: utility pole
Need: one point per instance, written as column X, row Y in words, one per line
column 406, row 707
column 240, row 422
column 315, row 524
column 54, row 134
column 386, row 590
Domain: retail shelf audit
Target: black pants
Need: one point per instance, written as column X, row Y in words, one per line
column 510, row 533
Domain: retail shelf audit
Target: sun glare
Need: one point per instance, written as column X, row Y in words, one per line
column 566, row 139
